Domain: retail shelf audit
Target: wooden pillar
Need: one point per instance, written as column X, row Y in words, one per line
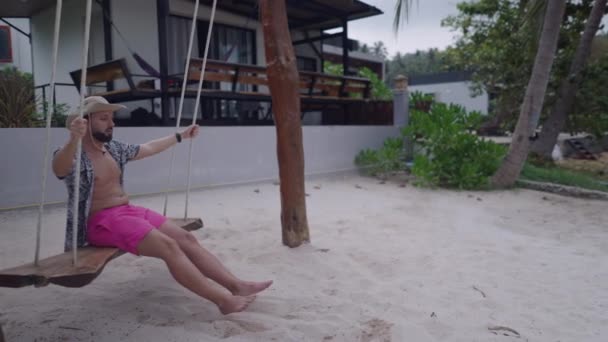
column 162, row 13
column 107, row 36
column 345, row 56
column 283, row 79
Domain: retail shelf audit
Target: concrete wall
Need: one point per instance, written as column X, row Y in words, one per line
column 70, row 46
column 457, row 93
column 20, row 44
column 221, row 155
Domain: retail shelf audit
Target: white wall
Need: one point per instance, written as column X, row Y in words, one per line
column 20, row 44
column 138, row 23
column 70, row 46
column 221, row 155
column 457, row 93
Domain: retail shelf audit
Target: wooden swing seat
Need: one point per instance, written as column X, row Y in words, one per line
column 59, row 269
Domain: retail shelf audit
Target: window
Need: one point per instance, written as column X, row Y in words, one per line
column 306, row 63
column 233, row 45
column 228, row 43
column 6, row 51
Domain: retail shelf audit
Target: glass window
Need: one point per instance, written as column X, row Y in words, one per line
column 6, row 51
column 307, row 63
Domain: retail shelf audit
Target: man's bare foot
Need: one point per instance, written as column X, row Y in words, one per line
column 235, row 304
column 247, row 288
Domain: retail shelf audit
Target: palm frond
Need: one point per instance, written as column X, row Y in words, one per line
column 533, row 17
column 402, row 12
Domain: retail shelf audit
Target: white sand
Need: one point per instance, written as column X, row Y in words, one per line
column 386, row 264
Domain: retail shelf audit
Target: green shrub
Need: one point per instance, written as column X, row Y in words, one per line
column 17, row 100
column 380, row 91
column 333, row 69
column 390, row 157
column 447, row 154
column 421, row 101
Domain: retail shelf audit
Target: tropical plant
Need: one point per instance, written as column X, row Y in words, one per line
column 448, row 154
column 510, row 169
column 390, row 157
column 380, row 91
column 17, row 99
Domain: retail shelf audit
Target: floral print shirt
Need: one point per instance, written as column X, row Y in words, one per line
column 122, row 153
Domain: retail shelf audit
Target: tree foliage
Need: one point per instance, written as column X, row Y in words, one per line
column 497, row 41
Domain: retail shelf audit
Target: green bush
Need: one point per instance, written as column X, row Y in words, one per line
column 380, row 91
column 60, row 114
column 17, row 100
column 333, row 69
column 390, row 157
column 421, row 101
column 447, row 154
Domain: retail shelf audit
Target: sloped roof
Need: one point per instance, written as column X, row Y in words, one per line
column 302, row 14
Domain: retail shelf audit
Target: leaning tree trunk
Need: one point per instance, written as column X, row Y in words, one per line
column 511, row 166
column 284, row 80
column 567, row 91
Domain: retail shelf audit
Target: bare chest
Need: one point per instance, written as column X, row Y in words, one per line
column 106, row 170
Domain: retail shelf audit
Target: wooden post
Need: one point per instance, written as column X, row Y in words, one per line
column 283, row 80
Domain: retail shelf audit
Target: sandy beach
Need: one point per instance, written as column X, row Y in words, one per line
column 386, row 263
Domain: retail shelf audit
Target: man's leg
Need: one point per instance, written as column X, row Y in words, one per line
column 159, row 245
column 209, row 264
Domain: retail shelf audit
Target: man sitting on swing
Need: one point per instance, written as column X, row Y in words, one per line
column 107, row 219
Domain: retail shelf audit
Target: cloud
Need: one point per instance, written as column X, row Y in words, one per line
column 422, row 31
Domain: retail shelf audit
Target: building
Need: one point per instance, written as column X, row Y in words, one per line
column 450, row 87
column 15, row 47
column 158, row 32
column 243, row 149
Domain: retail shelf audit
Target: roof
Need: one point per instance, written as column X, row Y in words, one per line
column 444, row 77
column 309, row 14
column 334, row 50
column 25, row 9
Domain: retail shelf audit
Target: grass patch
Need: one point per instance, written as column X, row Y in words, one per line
column 557, row 175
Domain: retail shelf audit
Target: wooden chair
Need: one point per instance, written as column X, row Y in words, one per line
column 112, row 71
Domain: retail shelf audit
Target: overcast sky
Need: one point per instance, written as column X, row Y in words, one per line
column 422, row 31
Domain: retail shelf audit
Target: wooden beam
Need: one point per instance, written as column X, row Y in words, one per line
column 162, row 17
column 314, row 39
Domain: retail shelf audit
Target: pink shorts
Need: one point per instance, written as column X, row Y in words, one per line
column 123, row 227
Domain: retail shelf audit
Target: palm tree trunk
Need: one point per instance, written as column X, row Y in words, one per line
column 283, row 80
column 569, row 86
column 513, row 163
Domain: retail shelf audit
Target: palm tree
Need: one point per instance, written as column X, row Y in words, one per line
column 513, row 163
column 402, row 13
column 569, row 86
column 379, row 49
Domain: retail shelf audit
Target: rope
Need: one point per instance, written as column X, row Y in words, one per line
column 183, row 92
column 83, row 78
column 181, row 101
column 196, row 103
column 49, row 117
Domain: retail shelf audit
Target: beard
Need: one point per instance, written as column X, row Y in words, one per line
column 103, row 137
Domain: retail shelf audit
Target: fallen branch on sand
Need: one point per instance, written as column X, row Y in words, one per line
column 563, row 190
column 482, row 293
column 497, row 329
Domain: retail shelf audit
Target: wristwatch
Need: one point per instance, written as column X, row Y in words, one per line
column 178, row 137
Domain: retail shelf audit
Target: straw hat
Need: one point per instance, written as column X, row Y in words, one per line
column 94, row 104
